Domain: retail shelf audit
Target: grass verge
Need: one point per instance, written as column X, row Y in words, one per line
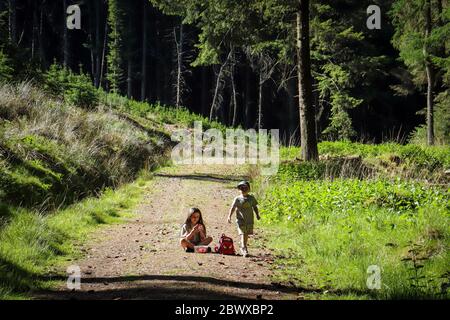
column 33, row 244
column 327, row 230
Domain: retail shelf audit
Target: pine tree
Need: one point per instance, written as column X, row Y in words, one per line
column 115, row 23
column 419, row 35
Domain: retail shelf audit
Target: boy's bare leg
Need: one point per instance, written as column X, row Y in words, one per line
column 186, row 243
column 245, row 240
column 242, row 238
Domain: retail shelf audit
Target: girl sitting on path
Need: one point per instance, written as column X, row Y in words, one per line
column 193, row 231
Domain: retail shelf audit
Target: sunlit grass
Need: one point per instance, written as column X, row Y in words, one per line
column 326, row 231
column 31, row 243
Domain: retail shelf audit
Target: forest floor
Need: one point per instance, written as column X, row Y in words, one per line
column 141, row 258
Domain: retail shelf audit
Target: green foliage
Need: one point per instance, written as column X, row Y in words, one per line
column 53, row 153
column 31, row 243
column 159, row 113
column 411, row 38
column 326, row 233
column 334, row 71
column 441, row 123
column 418, row 48
column 330, row 252
column 412, row 158
column 6, row 70
column 77, row 89
column 295, row 200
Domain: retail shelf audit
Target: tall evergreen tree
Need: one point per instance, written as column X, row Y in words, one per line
column 114, row 58
column 419, row 36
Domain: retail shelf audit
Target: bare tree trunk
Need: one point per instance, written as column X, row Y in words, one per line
column 105, row 39
column 234, row 96
column 179, row 48
column 158, row 65
column 35, row 29
column 430, row 76
column 12, row 21
column 205, row 90
column 130, row 59
column 307, row 115
column 216, row 91
column 98, row 59
column 41, row 37
column 260, row 99
column 247, row 97
column 66, row 52
column 130, row 78
column 92, row 42
column 144, row 52
column 292, row 107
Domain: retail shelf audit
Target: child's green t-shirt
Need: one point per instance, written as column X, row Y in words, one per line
column 244, row 209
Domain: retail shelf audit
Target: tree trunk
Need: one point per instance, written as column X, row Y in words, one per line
column 41, row 37
column 102, row 67
column 66, row 52
column 216, row 91
column 234, row 95
column 144, row 52
column 98, row 46
column 130, row 78
column 260, row 98
column 158, row 61
column 307, row 115
column 179, row 48
column 205, row 90
column 430, row 76
column 35, row 29
column 248, row 93
column 12, row 21
column 292, row 110
column 130, row 60
column 92, row 41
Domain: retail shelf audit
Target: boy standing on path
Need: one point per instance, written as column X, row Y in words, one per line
column 245, row 205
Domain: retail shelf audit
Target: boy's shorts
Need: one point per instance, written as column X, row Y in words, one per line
column 245, row 229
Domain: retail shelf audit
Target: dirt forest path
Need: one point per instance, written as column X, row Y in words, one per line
column 141, row 258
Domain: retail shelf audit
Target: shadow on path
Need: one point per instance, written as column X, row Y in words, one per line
column 162, row 287
column 178, row 287
column 204, row 177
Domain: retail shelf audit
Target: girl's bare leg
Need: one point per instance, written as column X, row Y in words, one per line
column 186, row 243
column 206, row 241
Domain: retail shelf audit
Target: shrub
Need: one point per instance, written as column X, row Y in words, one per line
column 77, row 89
column 54, row 153
column 6, row 70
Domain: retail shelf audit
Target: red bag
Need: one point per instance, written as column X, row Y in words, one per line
column 225, row 245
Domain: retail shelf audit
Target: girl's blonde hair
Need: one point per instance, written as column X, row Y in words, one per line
column 200, row 219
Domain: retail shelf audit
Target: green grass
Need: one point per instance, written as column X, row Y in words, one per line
column 53, row 153
column 327, row 230
column 159, row 113
column 391, row 160
column 34, row 244
column 60, row 147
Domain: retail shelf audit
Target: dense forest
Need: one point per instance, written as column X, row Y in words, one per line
column 94, row 93
column 238, row 62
